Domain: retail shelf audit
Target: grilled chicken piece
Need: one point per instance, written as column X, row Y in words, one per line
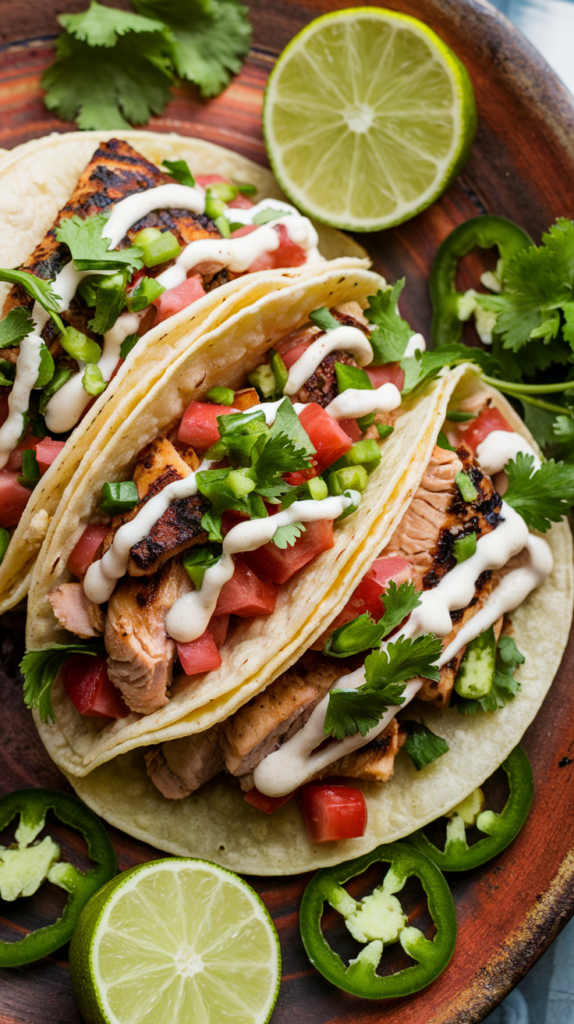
column 373, row 762
column 245, row 399
column 140, row 653
column 115, row 171
column 75, row 612
column 321, row 387
column 276, row 714
column 438, row 515
column 181, row 766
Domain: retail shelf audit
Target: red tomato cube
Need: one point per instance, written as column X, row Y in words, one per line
column 198, row 426
column 175, row 299
column 474, row 432
column 352, row 429
column 13, row 498
column 47, row 452
column 292, row 355
column 288, row 254
column 88, row 686
column 83, row 554
column 388, row 373
column 329, row 440
column 367, row 596
column 245, row 594
column 199, row 655
column 218, row 626
column 333, row 812
column 14, row 463
column 280, row 564
column 264, row 803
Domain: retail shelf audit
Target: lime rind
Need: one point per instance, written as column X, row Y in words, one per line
column 221, row 962
column 406, row 146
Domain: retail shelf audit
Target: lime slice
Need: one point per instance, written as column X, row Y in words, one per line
column 368, row 117
column 175, row 941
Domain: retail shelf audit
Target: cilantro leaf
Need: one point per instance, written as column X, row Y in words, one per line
column 425, row 366
column 40, row 669
column 505, row 686
column 391, row 334
column 41, row 291
column 15, row 327
column 102, row 26
column 210, row 38
column 109, row 86
column 286, row 536
column 288, row 424
column 540, row 496
column 287, row 448
column 179, row 169
column 89, row 250
column 404, row 659
column 352, row 711
column 423, row 746
column 363, row 633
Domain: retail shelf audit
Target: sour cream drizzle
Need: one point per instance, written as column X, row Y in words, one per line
column 27, row 369
column 416, row 343
column 189, row 617
column 354, row 403
column 349, row 339
column 499, row 447
column 296, row 761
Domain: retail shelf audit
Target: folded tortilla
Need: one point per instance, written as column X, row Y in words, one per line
column 216, row 822
column 36, row 180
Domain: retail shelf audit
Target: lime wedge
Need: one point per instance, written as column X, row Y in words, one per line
column 368, row 117
column 175, row 941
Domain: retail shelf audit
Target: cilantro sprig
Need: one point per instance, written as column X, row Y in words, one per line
column 89, row 247
column 39, row 290
column 391, row 334
column 363, row 633
column 352, row 711
column 40, row 669
column 541, row 496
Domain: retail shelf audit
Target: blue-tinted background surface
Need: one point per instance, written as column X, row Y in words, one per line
column 546, row 996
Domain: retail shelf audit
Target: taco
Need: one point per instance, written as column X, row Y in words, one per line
column 487, row 605
column 177, row 481
column 84, row 324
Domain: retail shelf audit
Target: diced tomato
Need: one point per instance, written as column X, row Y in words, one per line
column 198, row 426
column 388, row 373
column 47, row 452
column 241, row 202
column 300, row 476
column 264, row 803
column 218, row 626
column 199, row 655
column 245, row 594
column 246, row 229
column 473, row 433
column 333, row 812
column 205, row 180
column 352, row 429
column 83, row 554
column 367, row 596
column 13, row 498
column 291, row 356
column 175, row 299
column 325, row 434
column 286, row 255
column 14, row 463
column 90, row 689
column 280, row 564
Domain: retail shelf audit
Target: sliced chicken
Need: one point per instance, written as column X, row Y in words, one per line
column 181, row 766
column 140, row 653
column 373, row 762
column 75, row 612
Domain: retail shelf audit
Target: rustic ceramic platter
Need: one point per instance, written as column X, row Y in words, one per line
column 522, row 167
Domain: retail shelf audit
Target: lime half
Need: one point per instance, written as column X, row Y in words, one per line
column 175, row 941
column 368, row 117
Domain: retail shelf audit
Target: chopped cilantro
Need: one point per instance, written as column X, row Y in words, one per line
column 209, row 38
column 391, row 333
column 41, row 291
column 363, row 633
column 179, row 169
column 89, row 247
column 540, row 496
column 324, row 319
column 286, row 536
column 40, row 668
column 15, row 327
column 423, row 746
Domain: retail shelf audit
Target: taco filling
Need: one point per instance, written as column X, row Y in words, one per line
column 133, row 246
column 246, row 490
column 460, row 561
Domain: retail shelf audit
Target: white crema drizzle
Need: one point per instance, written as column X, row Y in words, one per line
column 344, row 338
column 27, row 370
column 353, row 403
column 499, row 447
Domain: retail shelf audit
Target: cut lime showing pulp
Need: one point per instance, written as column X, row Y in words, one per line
column 368, row 117
column 175, row 941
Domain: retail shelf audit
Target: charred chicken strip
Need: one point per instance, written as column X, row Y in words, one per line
column 140, row 653
column 321, row 387
column 181, row 766
column 75, row 612
column 374, row 762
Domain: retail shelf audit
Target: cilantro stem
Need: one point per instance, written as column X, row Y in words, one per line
column 527, row 389
column 560, row 409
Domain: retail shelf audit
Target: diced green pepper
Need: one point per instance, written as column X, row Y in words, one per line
column 280, row 371
column 127, row 345
column 475, row 676
column 120, row 496
column 222, row 191
column 464, row 547
column 198, row 560
column 384, row 430
column 456, row 416
column 4, row 542
column 221, row 396
column 145, row 292
column 324, row 319
column 352, row 377
column 79, row 346
column 60, row 377
column 30, row 469
column 240, row 483
column 157, row 246
column 466, row 487
column 214, row 206
column 317, row 488
column 223, row 226
column 93, row 382
column 263, row 378
column 365, row 453
column 352, row 478
column 46, row 371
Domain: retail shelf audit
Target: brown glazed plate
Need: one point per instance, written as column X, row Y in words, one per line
column 522, row 167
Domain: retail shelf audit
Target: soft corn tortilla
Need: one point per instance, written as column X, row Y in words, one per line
column 261, row 648
column 217, row 824
column 36, row 179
